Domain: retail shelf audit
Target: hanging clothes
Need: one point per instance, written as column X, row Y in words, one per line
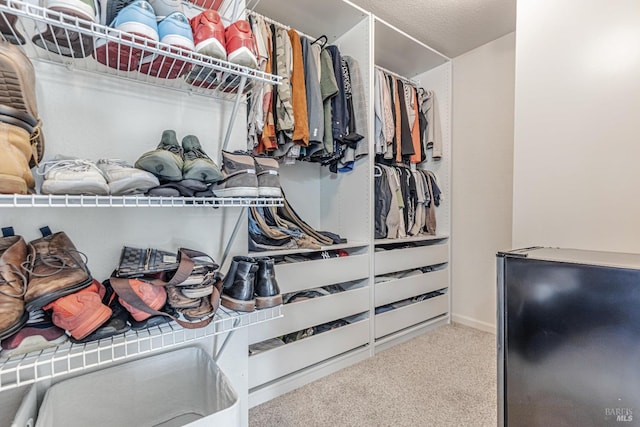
column 298, row 93
column 315, row 114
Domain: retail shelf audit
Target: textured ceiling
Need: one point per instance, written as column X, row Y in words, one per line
column 452, row 27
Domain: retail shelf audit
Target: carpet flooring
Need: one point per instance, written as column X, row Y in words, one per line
column 445, row 377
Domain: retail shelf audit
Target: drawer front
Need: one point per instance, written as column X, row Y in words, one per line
column 400, row 318
column 399, row 289
column 273, row 364
column 312, row 312
column 408, row 258
column 297, row 276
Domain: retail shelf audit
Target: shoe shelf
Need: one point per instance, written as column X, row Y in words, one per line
column 208, row 76
column 422, row 238
column 38, row 200
column 350, row 245
column 69, row 358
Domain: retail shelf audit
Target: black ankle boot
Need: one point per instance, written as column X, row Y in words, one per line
column 266, row 289
column 238, row 287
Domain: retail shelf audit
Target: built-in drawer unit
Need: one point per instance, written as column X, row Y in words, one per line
column 394, row 320
column 275, row 363
column 398, row 289
column 399, row 259
column 314, row 311
column 297, row 276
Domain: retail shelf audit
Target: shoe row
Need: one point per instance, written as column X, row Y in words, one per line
column 161, row 21
column 46, row 288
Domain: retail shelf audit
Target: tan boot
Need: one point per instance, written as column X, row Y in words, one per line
column 15, row 152
column 18, row 90
column 56, row 268
column 13, row 285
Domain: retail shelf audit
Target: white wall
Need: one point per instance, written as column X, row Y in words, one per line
column 577, row 125
column 483, row 97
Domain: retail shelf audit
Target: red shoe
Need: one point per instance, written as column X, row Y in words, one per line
column 208, row 34
column 154, row 296
column 82, row 312
column 240, row 44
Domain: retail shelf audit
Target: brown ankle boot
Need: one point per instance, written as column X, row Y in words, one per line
column 15, row 152
column 56, row 268
column 13, row 284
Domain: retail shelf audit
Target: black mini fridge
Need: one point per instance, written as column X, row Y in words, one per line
column 568, row 338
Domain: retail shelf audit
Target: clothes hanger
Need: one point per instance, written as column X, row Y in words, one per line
column 322, row 38
column 377, row 171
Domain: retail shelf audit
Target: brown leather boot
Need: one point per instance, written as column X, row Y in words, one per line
column 13, row 284
column 18, row 90
column 56, row 269
column 15, row 152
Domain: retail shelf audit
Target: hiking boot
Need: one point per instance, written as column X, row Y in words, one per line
column 153, row 296
column 268, row 177
column 82, row 312
column 8, row 27
column 165, row 162
column 123, row 179
column 266, row 288
column 13, row 284
column 18, row 91
column 178, row 300
column 174, row 30
column 73, row 176
column 136, row 18
column 208, row 34
column 238, row 176
column 238, row 289
column 240, row 44
column 63, row 41
column 56, row 268
column 15, row 152
column 197, row 165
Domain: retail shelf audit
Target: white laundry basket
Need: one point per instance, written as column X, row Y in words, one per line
column 182, row 387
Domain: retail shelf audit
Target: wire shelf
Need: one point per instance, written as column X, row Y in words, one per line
column 75, row 43
column 69, row 358
column 38, row 200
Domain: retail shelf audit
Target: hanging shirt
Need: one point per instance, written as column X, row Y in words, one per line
column 315, row 114
column 298, row 93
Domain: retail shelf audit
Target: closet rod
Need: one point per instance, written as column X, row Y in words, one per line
column 281, row 25
column 398, row 76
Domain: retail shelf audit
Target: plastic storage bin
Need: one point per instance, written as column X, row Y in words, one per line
column 19, row 406
column 182, row 387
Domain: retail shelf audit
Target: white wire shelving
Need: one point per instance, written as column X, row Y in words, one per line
column 39, row 200
column 75, row 43
column 69, row 358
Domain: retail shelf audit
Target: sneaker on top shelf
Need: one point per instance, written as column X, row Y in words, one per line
column 166, row 161
column 175, row 31
column 8, row 27
column 164, row 8
column 67, row 42
column 73, row 176
column 109, row 9
column 239, row 176
column 197, row 165
column 124, row 179
column 208, row 34
column 240, row 44
column 139, row 19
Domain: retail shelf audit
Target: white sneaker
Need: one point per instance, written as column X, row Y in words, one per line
column 73, row 176
column 123, row 178
column 164, row 8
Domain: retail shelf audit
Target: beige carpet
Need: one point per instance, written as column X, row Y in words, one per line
column 446, row 377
